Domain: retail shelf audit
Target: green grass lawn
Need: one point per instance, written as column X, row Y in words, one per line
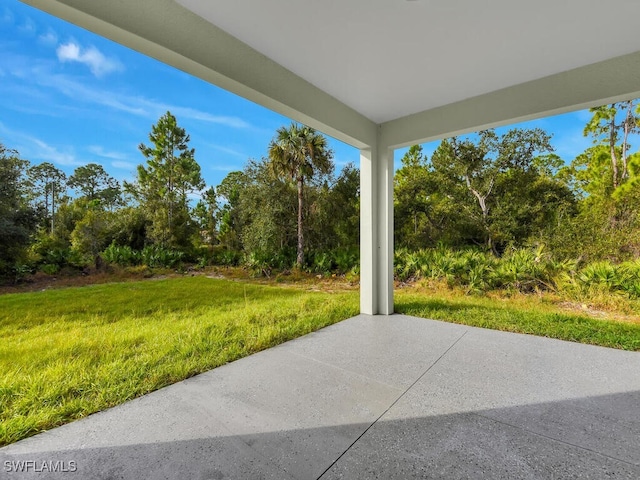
column 523, row 314
column 71, row 352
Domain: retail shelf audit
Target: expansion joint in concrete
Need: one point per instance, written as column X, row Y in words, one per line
column 394, row 403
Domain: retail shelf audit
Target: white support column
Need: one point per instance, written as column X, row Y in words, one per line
column 376, row 231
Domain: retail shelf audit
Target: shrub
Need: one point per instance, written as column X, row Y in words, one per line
column 260, row 263
column 524, row 269
column 605, row 276
column 230, row 258
column 124, row 256
column 323, row 263
column 156, row 256
column 50, row 268
column 20, row 271
column 346, row 259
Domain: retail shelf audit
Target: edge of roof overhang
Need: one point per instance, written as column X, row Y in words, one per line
column 168, row 32
column 605, row 82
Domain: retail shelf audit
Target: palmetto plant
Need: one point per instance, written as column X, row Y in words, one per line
column 158, row 256
column 346, row 258
column 121, row 255
column 525, row 270
column 603, row 273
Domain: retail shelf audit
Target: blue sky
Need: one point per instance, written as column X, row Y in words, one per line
column 70, row 97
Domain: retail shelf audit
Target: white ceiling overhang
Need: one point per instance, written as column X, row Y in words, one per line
column 394, row 71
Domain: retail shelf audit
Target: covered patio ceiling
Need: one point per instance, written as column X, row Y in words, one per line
column 381, row 74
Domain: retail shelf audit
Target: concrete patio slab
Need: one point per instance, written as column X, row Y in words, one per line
column 370, row 397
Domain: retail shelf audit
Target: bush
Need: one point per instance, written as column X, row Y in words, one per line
column 153, row 256
column 260, row 263
column 341, row 260
column 50, row 269
column 65, row 260
column 346, row 259
column 263, row 262
column 229, row 258
column 124, row 256
column 323, row 263
column 20, row 271
column 524, row 270
column 156, row 256
column 605, row 276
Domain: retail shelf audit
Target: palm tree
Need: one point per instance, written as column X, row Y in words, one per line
column 299, row 153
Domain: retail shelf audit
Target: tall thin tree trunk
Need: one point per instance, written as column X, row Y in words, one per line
column 612, row 146
column 627, row 125
column 300, row 257
column 482, row 202
column 53, row 206
column 171, row 162
column 485, row 223
column 46, row 202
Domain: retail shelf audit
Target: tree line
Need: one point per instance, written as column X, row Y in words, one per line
column 499, row 192
column 271, row 214
column 490, row 192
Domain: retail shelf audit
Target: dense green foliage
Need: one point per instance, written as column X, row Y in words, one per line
column 518, row 270
column 162, row 186
column 17, row 216
column 489, row 196
column 500, row 193
column 491, row 193
column 285, row 210
column 68, row 353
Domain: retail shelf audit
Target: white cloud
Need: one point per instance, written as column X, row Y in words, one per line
column 81, row 93
column 341, row 163
column 135, row 105
column 193, row 114
column 223, row 168
column 36, row 150
column 124, row 165
column 229, row 151
column 101, row 152
column 48, row 152
column 49, row 38
column 91, row 57
column 40, row 73
column 570, row 144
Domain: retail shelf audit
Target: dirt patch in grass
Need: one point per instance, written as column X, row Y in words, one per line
column 592, row 311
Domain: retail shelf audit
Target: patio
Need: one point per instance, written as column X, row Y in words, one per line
column 371, row 397
column 383, row 396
